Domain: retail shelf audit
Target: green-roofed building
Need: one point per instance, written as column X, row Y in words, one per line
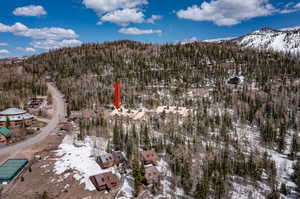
column 10, row 169
column 4, row 135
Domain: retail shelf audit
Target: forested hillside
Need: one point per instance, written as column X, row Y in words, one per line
column 235, row 137
column 17, row 86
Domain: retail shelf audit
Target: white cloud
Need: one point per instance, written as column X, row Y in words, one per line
column 3, row 44
column 228, row 12
column 28, row 49
column 124, row 17
column 153, row 18
column 128, row 15
column 102, row 6
column 3, row 51
column 290, row 7
column 30, row 11
column 38, row 33
column 137, row 31
column 53, row 44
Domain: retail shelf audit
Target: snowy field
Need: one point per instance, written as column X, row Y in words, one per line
column 80, row 159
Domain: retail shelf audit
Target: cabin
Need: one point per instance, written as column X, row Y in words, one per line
column 151, row 175
column 105, row 161
column 4, row 135
column 149, row 157
column 105, row 181
column 118, row 157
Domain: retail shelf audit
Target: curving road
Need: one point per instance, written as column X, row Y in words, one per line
column 58, row 114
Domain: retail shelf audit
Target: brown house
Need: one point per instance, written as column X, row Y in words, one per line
column 105, row 161
column 118, row 157
column 149, row 157
column 151, row 175
column 105, row 181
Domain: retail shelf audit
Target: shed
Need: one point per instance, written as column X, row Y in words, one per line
column 11, row 168
column 105, row 181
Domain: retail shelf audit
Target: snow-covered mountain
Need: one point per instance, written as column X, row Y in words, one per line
column 284, row 40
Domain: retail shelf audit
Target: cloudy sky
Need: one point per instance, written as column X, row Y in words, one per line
column 34, row 26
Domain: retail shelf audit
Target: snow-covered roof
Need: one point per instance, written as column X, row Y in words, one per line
column 106, row 157
column 12, row 111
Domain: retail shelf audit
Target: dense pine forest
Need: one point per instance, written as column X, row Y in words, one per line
column 18, row 86
column 233, row 132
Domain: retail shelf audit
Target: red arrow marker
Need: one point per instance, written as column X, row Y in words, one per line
column 117, row 102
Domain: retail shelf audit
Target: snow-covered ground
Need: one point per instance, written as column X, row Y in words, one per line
column 139, row 114
column 131, row 113
column 80, row 159
column 173, row 109
column 241, row 191
column 250, row 138
column 127, row 190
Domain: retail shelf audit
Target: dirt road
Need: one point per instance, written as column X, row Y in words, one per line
column 58, row 114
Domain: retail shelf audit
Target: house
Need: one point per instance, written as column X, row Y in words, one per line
column 234, row 80
column 4, row 135
column 66, row 126
column 14, row 117
column 35, row 102
column 118, row 157
column 105, row 161
column 152, row 175
column 149, row 157
column 105, row 181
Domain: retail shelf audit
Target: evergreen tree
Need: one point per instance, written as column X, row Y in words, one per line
column 116, row 135
column 295, row 147
column 45, row 195
column 202, row 188
column 137, row 175
column 281, row 144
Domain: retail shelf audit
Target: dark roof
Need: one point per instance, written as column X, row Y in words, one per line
column 234, row 80
column 105, row 179
column 149, row 155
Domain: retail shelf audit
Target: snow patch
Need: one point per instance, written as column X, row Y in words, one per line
column 80, row 160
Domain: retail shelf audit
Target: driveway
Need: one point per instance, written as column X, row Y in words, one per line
column 58, row 114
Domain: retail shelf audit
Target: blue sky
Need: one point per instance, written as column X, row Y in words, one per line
column 35, row 26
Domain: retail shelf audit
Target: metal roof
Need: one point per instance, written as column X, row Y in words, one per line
column 25, row 116
column 4, row 131
column 11, row 168
column 12, row 111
